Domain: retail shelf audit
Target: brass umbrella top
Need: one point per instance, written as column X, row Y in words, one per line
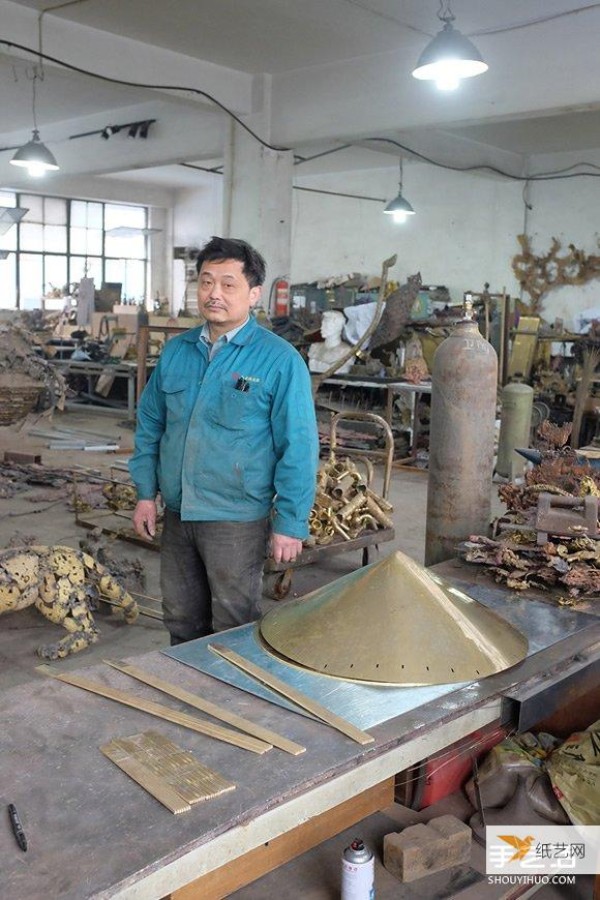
column 396, row 623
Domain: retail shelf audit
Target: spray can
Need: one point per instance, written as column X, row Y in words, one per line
column 358, row 872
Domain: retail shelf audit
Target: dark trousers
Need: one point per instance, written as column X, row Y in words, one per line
column 210, row 575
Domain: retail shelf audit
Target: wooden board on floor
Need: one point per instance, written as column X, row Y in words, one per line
column 116, row 526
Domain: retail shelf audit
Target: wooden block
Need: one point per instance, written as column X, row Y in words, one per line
column 24, row 458
column 256, row 863
column 421, row 850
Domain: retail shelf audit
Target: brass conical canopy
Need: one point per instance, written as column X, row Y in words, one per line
column 393, row 622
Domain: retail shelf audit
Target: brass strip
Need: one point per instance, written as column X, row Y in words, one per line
column 300, row 699
column 178, row 768
column 149, row 781
column 163, row 712
column 212, row 709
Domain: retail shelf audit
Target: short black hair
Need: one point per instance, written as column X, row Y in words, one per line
column 218, row 248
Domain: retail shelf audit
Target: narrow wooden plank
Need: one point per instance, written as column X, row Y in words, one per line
column 222, row 882
column 297, row 697
column 245, row 742
column 136, row 770
column 263, row 734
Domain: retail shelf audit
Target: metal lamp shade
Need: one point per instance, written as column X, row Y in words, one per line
column 393, row 623
column 450, row 51
column 35, row 154
column 399, row 205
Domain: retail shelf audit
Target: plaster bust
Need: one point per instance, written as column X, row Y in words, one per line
column 322, row 355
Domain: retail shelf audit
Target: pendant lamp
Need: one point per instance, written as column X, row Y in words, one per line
column 34, row 155
column 399, row 208
column 450, row 56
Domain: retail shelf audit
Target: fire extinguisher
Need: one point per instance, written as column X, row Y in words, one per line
column 281, row 289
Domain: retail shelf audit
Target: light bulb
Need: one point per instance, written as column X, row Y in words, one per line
column 36, row 170
column 448, row 78
column 399, row 215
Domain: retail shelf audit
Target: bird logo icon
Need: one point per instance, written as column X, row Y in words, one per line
column 521, row 845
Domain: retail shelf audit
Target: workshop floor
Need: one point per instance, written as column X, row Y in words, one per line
column 44, row 513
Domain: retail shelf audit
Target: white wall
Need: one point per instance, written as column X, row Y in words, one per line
column 462, row 235
column 198, row 213
column 567, row 209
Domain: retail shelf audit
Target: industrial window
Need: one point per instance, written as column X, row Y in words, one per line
column 58, row 241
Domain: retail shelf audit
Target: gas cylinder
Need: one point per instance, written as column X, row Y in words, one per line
column 461, row 441
column 515, row 428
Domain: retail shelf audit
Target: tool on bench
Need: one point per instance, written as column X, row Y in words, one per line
column 567, row 516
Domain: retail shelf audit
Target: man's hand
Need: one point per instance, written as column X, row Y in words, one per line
column 285, row 549
column 144, row 519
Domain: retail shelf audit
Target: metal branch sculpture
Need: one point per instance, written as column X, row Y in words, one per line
column 539, row 274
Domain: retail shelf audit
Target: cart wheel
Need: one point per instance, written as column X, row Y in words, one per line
column 276, row 585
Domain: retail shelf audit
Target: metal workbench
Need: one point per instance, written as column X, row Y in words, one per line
column 93, row 833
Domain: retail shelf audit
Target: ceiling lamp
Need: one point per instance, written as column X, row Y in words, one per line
column 399, row 208
column 34, row 155
column 450, row 56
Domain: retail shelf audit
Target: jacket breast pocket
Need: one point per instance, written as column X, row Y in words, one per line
column 233, row 409
column 176, row 397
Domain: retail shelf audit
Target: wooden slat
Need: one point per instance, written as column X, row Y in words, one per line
column 297, row 697
column 252, row 865
column 245, row 742
column 263, row 734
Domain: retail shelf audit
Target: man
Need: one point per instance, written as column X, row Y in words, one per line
column 226, row 432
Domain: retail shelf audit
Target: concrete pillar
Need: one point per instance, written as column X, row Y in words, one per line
column 257, row 197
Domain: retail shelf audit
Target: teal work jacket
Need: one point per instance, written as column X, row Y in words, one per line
column 231, row 439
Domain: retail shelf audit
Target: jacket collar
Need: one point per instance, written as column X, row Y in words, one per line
column 242, row 337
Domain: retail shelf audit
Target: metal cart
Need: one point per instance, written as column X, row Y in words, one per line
column 278, row 576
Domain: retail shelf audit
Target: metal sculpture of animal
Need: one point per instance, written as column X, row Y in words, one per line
column 65, row 585
column 396, row 313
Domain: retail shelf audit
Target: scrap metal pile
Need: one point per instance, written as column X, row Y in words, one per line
column 344, row 504
column 521, row 553
column 22, row 367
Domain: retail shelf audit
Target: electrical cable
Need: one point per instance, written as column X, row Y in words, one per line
column 501, row 29
column 542, row 176
column 338, row 194
column 137, row 84
column 539, row 21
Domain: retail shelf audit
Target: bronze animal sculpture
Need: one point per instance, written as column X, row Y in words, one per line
column 65, row 585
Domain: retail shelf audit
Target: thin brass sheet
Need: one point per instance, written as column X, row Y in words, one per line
column 394, row 622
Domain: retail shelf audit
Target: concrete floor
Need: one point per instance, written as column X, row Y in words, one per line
column 44, row 512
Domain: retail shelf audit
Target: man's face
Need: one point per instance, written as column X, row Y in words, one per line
column 224, row 296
